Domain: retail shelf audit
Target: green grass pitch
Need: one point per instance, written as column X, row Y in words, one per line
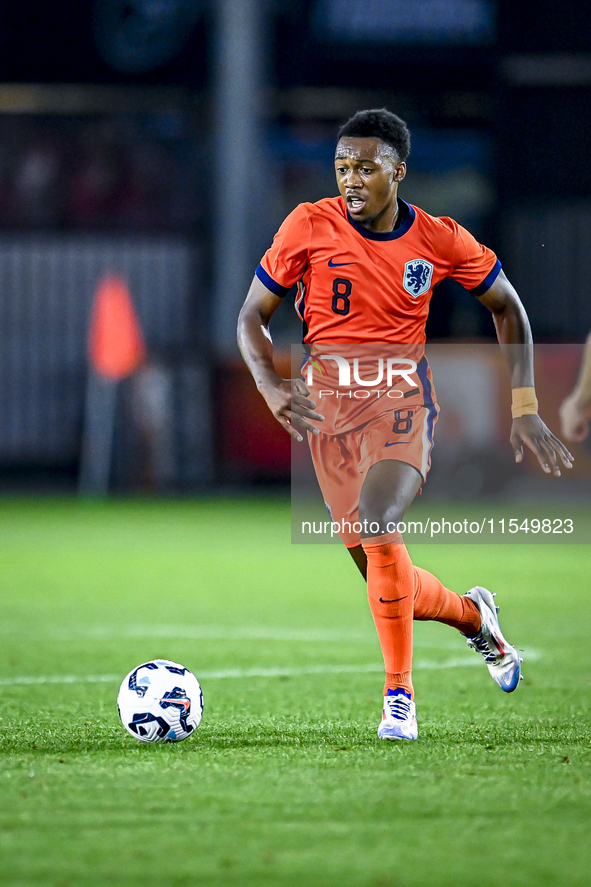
column 285, row 782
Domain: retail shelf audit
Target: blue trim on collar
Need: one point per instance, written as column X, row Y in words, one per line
column 488, row 280
column 385, row 235
column 271, row 284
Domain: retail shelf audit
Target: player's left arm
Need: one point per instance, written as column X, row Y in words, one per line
column 515, row 338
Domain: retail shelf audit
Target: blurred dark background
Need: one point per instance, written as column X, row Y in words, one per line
column 165, row 141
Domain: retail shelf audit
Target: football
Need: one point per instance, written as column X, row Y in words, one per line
column 160, row 701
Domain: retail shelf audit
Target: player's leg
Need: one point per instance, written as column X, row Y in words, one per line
column 359, row 559
column 399, row 592
column 345, row 489
column 432, row 600
column 335, row 466
column 340, row 468
column 388, row 489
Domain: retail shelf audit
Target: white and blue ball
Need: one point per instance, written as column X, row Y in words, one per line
column 160, row 701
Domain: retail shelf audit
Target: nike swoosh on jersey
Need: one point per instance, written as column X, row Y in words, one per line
column 332, row 264
column 394, row 442
column 393, row 601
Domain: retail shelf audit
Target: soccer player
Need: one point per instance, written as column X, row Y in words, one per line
column 366, row 264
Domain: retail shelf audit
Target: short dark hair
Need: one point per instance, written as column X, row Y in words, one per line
column 379, row 123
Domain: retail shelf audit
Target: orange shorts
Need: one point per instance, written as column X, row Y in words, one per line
column 341, row 461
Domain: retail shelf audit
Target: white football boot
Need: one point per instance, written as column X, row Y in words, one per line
column 502, row 660
column 399, row 717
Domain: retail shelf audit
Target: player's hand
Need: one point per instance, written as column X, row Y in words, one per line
column 574, row 419
column 290, row 404
column 535, row 434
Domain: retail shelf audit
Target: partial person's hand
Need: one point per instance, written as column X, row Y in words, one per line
column 535, row 434
column 574, row 419
column 291, row 406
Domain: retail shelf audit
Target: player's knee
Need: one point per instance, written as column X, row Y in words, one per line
column 381, row 517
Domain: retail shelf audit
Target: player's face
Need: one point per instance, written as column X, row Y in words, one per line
column 368, row 172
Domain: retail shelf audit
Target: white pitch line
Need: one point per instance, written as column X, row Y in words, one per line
column 196, row 632
column 215, row 633
column 458, row 662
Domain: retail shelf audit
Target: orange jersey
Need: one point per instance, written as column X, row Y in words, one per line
column 354, row 383
column 357, row 285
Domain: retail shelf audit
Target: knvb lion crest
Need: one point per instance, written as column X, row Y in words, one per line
column 417, row 277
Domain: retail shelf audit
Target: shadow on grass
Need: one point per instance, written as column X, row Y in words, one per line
column 283, row 734
column 87, row 739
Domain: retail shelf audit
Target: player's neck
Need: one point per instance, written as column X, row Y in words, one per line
column 386, row 221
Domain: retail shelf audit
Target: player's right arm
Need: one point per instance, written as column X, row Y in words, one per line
column 286, row 398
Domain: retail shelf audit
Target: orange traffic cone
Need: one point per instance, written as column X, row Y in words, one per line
column 115, row 343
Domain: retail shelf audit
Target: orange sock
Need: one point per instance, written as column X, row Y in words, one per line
column 433, row 601
column 390, row 589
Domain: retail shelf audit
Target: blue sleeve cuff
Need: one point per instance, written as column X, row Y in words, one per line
column 271, row 284
column 488, row 280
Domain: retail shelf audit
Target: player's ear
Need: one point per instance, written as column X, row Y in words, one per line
column 399, row 171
